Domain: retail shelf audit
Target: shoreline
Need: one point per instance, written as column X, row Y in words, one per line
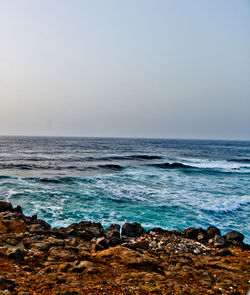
column 85, row 258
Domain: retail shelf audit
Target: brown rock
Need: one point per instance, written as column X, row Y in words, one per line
column 60, row 253
column 5, row 206
column 81, row 266
column 64, row 267
column 191, row 233
column 6, row 284
column 101, row 244
column 3, row 226
column 234, row 236
column 133, row 230
column 17, row 254
column 212, row 231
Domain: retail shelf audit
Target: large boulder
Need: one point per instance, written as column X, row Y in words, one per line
column 191, row 233
column 5, row 206
column 234, row 236
column 113, row 231
column 85, row 230
column 133, row 230
column 212, row 231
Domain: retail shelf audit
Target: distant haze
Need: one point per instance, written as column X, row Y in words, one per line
column 134, row 68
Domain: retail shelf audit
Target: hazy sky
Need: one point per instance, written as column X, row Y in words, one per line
column 134, row 68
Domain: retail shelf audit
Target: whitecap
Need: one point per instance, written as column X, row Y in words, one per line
column 220, row 165
column 227, row 206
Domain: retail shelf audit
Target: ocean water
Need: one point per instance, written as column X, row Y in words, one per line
column 173, row 184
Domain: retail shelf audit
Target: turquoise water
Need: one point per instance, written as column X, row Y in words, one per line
column 173, row 184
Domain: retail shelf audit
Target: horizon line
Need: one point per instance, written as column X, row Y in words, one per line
column 123, row 137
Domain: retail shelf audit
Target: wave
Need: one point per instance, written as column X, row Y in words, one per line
column 229, row 206
column 6, row 177
column 239, row 160
column 171, row 165
column 215, row 165
column 122, row 158
column 111, row 167
column 205, row 166
column 50, row 180
column 19, row 166
column 145, row 157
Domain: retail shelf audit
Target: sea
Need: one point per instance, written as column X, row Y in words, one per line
column 168, row 183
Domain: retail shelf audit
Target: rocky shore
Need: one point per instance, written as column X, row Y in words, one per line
column 85, row 258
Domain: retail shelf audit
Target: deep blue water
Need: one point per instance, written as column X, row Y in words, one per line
column 169, row 183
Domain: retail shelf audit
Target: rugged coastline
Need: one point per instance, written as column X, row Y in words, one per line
column 85, row 258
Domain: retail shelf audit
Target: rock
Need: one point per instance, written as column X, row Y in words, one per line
column 85, row 230
column 27, row 241
column 11, row 241
column 224, row 252
column 84, row 253
column 114, row 242
column 177, row 232
column 57, row 232
column 234, row 236
column 63, row 261
column 43, row 223
column 219, row 241
column 143, row 244
column 101, row 244
column 245, row 246
column 17, row 254
column 191, row 233
column 55, row 242
column 133, row 230
column 201, row 237
column 6, row 284
column 76, row 267
column 81, row 266
column 212, row 231
column 37, row 229
column 5, row 206
column 157, row 230
column 60, row 253
column 126, row 256
column 41, row 246
column 18, row 209
column 17, row 226
column 113, row 231
column 64, row 267
column 92, row 270
column 4, row 225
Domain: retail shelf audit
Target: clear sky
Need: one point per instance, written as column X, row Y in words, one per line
column 134, row 68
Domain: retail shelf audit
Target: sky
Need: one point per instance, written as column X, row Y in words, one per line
column 134, row 68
